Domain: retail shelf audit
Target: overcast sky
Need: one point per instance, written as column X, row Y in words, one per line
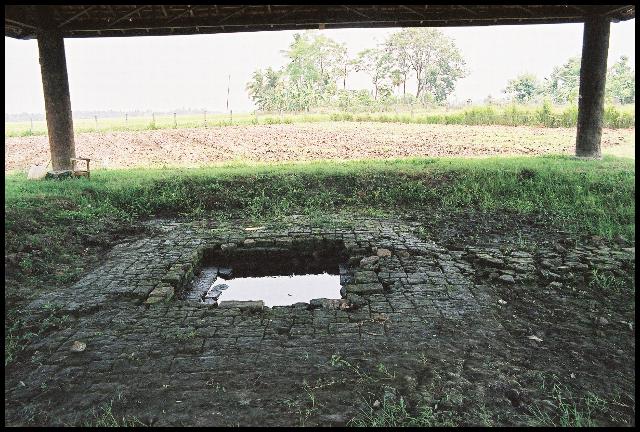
column 167, row 72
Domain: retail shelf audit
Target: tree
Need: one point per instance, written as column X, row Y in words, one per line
column 523, row 88
column 343, row 64
column 621, row 82
column 377, row 63
column 255, row 87
column 563, row 85
column 266, row 89
column 564, row 82
column 447, row 67
column 397, row 47
column 431, row 56
column 315, row 63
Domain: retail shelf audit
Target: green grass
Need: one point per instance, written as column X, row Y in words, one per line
column 513, row 115
column 609, row 283
column 19, row 332
column 104, row 417
column 18, row 129
column 394, row 413
column 597, row 196
column 55, row 229
column 565, row 408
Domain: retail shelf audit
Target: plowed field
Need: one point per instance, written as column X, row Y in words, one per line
column 312, row 141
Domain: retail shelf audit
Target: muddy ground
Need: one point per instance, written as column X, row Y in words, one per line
column 298, row 142
column 472, row 319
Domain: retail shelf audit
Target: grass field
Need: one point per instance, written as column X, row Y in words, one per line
column 514, row 115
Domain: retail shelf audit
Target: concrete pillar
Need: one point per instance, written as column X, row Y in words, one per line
column 57, row 102
column 593, row 75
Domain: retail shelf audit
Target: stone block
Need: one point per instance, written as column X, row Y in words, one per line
column 365, row 288
column 242, row 305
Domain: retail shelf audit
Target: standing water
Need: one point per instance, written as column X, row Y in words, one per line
column 278, row 277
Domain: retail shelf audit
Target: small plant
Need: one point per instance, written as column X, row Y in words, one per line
column 104, row 417
column 336, row 360
column 566, row 410
column 607, row 282
column 21, row 331
column 185, row 334
column 394, row 412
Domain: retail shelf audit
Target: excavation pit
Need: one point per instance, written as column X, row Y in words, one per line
column 275, row 276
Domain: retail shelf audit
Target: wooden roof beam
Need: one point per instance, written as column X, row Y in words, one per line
column 356, row 12
column 239, row 11
column 127, row 15
column 414, row 11
column 19, row 23
column 616, row 10
column 76, row 16
column 471, row 11
column 185, row 12
column 522, row 8
column 577, row 8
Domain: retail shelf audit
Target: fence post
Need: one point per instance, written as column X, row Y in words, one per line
column 231, row 116
column 31, row 129
column 126, row 121
column 205, row 118
column 175, row 122
column 96, row 117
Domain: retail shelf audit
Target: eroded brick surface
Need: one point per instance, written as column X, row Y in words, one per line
column 180, row 362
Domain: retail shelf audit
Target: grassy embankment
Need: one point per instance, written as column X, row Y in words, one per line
column 514, row 115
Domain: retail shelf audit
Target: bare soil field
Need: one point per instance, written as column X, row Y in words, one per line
column 300, row 142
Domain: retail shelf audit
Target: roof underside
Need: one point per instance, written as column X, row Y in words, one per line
column 21, row 21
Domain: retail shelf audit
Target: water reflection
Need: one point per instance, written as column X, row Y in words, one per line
column 279, row 290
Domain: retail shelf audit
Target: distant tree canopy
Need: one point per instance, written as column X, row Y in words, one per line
column 523, row 88
column 318, row 68
column 377, row 63
column 307, row 80
column 563, row 85
column 430, row 56
column 621, row 82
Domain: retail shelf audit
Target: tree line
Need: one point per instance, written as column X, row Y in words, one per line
column 318, row 68
column 563, row 84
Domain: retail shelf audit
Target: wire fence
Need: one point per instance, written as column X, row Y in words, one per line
column 129, row 122
column 547, row 116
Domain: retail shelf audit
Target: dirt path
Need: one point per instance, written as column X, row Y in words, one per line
column 297, row 142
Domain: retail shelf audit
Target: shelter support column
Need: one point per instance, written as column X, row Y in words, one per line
column 593, row 75
column 57, row 101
